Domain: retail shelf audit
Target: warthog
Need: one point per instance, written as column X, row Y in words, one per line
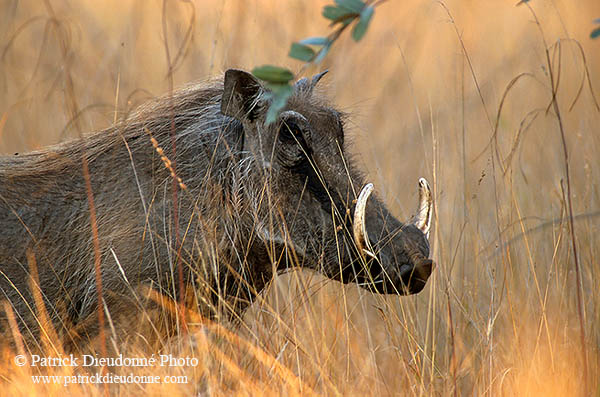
column 250, row 199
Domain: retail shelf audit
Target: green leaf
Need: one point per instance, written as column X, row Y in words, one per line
column 315, row 41
column 301, row 52
column 279, row 95
column 273, row 74
column 595, row 33
column 355, row 6
column 337, row 14
column 360, row 28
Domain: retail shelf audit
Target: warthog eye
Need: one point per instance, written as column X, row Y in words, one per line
column 293, row 139
column 290, row 133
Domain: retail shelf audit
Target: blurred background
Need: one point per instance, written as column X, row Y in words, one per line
column 424, row 89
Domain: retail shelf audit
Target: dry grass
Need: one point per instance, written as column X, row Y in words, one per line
column 500, row 314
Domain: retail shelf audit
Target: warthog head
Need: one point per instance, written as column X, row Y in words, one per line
column 320, row 211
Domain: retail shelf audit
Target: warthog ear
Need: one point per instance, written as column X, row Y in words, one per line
column 307, row 86
column 240, row 95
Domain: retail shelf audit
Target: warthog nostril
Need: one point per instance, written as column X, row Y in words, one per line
column 415, row 276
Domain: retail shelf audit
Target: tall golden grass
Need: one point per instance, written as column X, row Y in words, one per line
column 457, row 91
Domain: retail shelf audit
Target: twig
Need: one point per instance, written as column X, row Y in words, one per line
column 579, row 287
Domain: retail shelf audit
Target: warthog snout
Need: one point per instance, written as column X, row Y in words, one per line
column 396, row 263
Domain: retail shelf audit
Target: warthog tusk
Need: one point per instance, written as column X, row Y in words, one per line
column 360, row 231
column 422, row 220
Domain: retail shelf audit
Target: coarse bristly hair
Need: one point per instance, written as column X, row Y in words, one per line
column 251, row 199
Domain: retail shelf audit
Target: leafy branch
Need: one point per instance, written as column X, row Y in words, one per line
column 596, row 32
column 312, row 50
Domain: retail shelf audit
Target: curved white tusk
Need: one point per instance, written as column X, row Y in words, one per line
column 359, row 228
column 422, row 220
